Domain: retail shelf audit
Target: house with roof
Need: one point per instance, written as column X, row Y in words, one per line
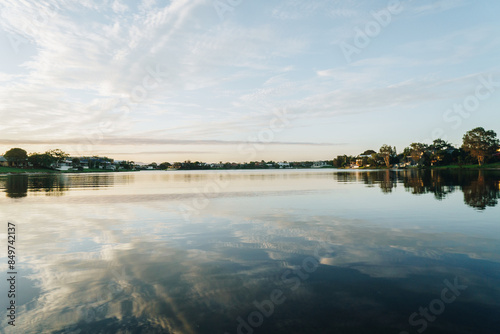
column 84, row 163
column 284, row 164
column 119, row 164
column 3, row 161
column 107, row 165
column 6, row 163
column 320, row 164
column 63, row 165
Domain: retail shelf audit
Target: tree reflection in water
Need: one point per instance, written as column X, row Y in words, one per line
column 17, row 186
column 482, row 192
column 481, row 188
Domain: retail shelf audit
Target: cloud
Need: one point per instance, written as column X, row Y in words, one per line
column 299, row 10
column 151, row 67
column 111, row 57
column 119, row 7
column 6, row 76
column 148, row 141
column 435, row 6
column 157, row 152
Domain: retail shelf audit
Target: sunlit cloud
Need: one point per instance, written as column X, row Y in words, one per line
column 149, row 67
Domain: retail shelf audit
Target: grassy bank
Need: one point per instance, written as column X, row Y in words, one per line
column 495, row 165
column 14, row 170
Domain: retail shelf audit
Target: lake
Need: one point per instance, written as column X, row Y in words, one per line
column 269, row 251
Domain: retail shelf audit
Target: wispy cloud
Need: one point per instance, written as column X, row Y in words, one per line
column 177, row 70
column 150, row 141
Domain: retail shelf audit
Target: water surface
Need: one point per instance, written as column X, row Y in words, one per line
column 275, row 251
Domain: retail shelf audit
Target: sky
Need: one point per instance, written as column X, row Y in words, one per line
column 245, row 80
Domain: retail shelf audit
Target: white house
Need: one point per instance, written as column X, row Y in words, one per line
column 63, row 165
column 320, row 164
column 284, row 164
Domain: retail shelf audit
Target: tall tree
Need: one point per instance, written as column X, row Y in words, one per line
column 440, row 144
column 387, row 152
column 417, row 150
column 75, row 162
column 16, row 155
column 164, row 165
column 41, row 160
column 57, row 154
column 368, row 152
column 480, row 143
column 439, row 153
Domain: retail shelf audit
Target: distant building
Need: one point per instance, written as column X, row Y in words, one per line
column 119, row 164
column 284, row 164
column 108, row 166
column 320, row 164
column 3, row 161
column 6, row 163
column 84, row 163
column 63, row 165
column 354, row 165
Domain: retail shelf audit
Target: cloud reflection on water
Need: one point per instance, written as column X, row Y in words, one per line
column 109, row 266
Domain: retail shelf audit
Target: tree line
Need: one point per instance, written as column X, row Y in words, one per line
column 18, row 157
column 478, row 146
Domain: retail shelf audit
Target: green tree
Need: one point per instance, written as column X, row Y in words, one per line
column 340, row 161
column 440, row 145
column 57, row 154
column 16, row 156
column 374, row 159
column 417, row 150
column 75, row 162
column 480, row 143
column 368, row 152
column 165, row 165
column 387, row 152
column 41, row 160
column 128, row 165
column 439, row 153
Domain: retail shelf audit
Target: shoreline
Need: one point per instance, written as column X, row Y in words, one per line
column 17, row 171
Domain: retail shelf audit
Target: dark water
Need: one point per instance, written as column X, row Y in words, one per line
column 292, row 251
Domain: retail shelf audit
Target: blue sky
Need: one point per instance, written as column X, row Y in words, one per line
column 240, row 80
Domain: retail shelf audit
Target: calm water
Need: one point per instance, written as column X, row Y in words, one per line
column 294, row 251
